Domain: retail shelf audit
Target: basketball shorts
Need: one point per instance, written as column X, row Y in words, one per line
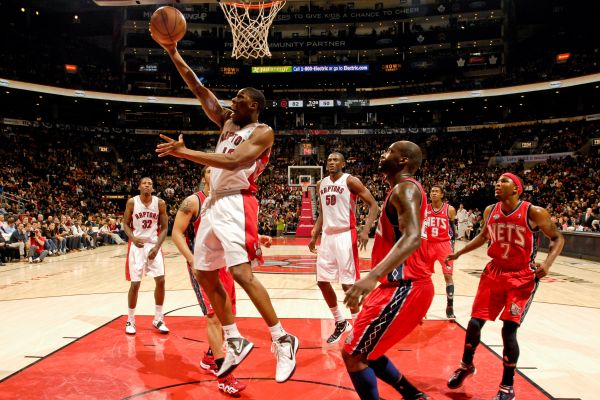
column 203, row 300
column 228, row 234
column 337, row 260
column 438, row 251
column 388, row 315
column 138, row 265
column 506, row 292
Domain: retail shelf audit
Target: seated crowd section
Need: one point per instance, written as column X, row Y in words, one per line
column 64, row 190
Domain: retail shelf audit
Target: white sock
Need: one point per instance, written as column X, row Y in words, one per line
column 158, row 315
column 277, row 331
column 337, row 314
column 131, row 314
column 354, row 318
column 231, row 331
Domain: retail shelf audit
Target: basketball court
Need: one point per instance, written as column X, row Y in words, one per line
column 64, row 336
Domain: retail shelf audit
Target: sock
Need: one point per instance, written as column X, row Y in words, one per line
column 277, row 331
column 158, row 315
column 337, row 314
column 131, row 314
column 354, row 318
column 450, row 295
column 231, row 331
column 209, row 352
column 365, row 384
column 386, row 371
column 219, row 362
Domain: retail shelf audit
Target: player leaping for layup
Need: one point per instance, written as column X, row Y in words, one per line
column 228, row 234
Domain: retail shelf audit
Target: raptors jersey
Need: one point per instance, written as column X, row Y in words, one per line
column 512, row 241
column 338, row 205
column 438, row 224
column 388, row 233
column 224, row 181
column 192, row 229
column 145, row 220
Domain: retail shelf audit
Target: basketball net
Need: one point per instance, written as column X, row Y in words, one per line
column 305, row 185
column 250, row 23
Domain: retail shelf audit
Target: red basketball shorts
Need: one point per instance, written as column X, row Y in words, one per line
column 438, row 251
column 506, row 292
column 388, row 315
column 203, row 300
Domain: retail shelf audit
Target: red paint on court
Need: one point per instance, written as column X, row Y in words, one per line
column 108, row 364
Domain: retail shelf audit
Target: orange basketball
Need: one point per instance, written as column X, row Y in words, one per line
column 167, row 25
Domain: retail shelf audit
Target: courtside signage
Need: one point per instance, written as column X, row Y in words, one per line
column 310, row 68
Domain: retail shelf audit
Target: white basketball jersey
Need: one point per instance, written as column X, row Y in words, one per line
column 223, row 181
column 145, row 220
column 337, row 205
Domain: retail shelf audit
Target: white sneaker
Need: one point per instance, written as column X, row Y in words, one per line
column 285, row 349
column 130, row 328
column 161, row 326
column 237, row 349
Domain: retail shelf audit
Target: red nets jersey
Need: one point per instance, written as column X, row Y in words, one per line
column 192, row 229
column 512, row 241
column 386, row 236
column 438, row 224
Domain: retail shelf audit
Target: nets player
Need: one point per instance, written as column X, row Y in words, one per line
column 337, row 259
column 441, row 231
column 184, row 232
column 399, row 263
column 228, row 234
column 510, row 279
column 145, row 223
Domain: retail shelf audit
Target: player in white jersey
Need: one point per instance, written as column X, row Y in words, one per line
column 145, row 222
column 337, row 259
column 228, row 234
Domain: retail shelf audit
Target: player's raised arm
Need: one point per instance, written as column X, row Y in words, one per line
column 245, row 154
column 210, row 103
column 541, row 218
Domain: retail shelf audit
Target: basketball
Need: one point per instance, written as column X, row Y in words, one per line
column 167, row 25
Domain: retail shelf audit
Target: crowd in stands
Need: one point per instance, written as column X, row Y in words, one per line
column 67, row 195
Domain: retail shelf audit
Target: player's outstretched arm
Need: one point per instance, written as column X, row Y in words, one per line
column 357, row 187
column 541, row 218
column 478, row 241
column 127, row 216
column 187, row 211
column 208, row 100
column 244, row 155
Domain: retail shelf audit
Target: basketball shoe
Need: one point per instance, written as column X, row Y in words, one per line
column 161, row 326
column 130, row 328
column 340, row 328
column 208, row 363
column 505, row 393
column 285, row 349
column 458, row 377
column 237, row 349
column 231, row 386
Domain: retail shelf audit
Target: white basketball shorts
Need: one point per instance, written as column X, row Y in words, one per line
column 138, row 265
column 228, row 233
column 337, row 259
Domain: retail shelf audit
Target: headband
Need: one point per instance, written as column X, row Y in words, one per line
column 516, row 180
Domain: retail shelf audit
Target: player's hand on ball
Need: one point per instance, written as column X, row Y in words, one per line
column 357, row 293
column 171, row 147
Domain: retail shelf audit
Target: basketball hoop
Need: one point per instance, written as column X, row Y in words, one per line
column 250, row 22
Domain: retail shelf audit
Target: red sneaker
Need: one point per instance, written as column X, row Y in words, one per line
column 231, row 386
column 208, row 363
